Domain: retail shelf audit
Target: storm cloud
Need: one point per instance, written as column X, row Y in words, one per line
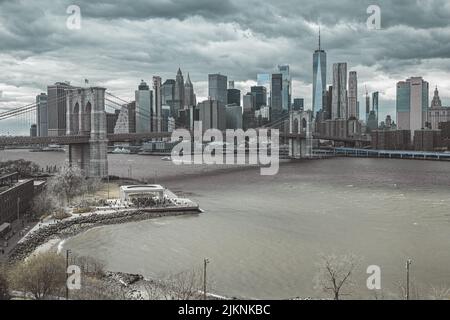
column 122, row 42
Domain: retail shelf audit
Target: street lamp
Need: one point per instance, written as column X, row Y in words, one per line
column 205, row 263
column 67, row 275
column 408, row 263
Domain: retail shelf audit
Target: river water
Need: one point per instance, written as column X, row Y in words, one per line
column 264, row 234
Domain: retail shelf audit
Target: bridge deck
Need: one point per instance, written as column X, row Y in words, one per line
column 129, row 137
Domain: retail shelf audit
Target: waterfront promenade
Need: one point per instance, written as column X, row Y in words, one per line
column 392, row 154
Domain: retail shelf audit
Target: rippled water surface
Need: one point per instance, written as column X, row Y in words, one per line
column 263, row 234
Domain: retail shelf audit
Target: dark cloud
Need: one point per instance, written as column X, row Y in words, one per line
column 161, row 9
column 121, row 42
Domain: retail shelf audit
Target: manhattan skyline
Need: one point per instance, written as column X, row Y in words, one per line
column 117, row 46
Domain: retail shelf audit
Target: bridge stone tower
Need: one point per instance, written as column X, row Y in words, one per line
column 300, row 124
column 86, row 116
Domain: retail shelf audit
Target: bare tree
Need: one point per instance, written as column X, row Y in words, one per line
column 439, row 293
column 93, row 184
column 180, row 286
column 184, row 285
column 68, row 183
column 335, row 274
column 94, row 288
column 41, row 275
column 44, row 203
column 414, row 292
column 89, row 266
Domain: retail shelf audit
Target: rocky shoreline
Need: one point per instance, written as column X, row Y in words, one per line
column 125, row 285
column 70, row 227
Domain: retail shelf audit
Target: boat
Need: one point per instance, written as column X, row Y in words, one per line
column 166, row 159
column 53, row 148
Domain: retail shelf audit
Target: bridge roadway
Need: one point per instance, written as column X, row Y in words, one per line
column 132, row 137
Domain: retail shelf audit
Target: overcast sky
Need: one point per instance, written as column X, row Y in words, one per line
column 122, row 42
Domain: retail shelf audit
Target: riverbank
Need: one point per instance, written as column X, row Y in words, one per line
column 70, row 227
column 119, row 285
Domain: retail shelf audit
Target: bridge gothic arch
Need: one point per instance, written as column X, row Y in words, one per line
column 87, row 118
column 75, row 121
column 299, row 122
column 300, row 128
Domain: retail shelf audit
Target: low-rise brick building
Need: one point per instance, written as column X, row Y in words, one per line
column 15, row 196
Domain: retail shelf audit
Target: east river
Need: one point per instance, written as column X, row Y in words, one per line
column 264, row 234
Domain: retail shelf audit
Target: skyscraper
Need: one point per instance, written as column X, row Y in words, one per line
column 157, row 112
column 189, row 95
column 265, row 79
column 375, row 106
column 56, row 108
column 42, row 115
column 339, row 99
column 319, row 78
column 178, row 93
column 212, row 114
column 217, row 88
column 165, row 112
column 287, row 87
column 234, row 96
column 143, row 108
column 299, row 104
column 248, row 102
column 33, row 130
column 352, row 95
column 367, row 106
column 328, row 98
column 412, row 104
column 233, row 117
column 168, row 95
column 276, row 90
column 437, row 113
column 260, row 96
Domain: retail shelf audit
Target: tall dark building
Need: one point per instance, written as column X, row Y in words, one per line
column 299, row 104
column 259, row 95
column 339, row 101
column 367, row 106
column 217, row 88
column 156, row 105
column 179, row 92
column 56, row 108
column 328, row 97
column 168, row 94
column 33, row 130
column 234, row 96
column 276, row 107
column 111, row 120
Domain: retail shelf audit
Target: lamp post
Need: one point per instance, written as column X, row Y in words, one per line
column 67, row 275
column 108, row 185
column 408, row 263
column 205, row 263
